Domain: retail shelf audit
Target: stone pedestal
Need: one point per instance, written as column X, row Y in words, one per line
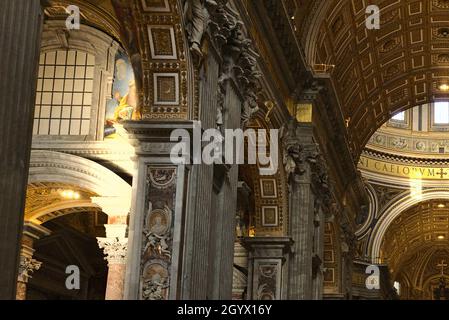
column 268, row 267
column 21, row 22
column 115, row 247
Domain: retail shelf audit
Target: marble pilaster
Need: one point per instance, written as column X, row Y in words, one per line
column 21, row 22
column 157, row 227
column 305, row 170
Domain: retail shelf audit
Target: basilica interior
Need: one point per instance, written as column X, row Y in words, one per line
column 93, row 207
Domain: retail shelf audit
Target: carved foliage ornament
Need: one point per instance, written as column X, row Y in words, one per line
column 115, row 249
column 27, row 267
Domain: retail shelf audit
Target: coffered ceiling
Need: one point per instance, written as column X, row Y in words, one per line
column 417, row 231
column 377, row 72
column 46, row 201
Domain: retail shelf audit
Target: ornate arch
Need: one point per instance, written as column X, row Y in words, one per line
column 401, row 203
column 55, row 171
column 363, row 229
column 379, row 72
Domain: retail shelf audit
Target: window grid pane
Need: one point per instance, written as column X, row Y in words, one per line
column 399, row 116
column 64, row 93
column 441, row 112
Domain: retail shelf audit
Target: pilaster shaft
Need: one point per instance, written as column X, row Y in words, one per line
column 21, row 22
column 301, row 217
column 308, row 190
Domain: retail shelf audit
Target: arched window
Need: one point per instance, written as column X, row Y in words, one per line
column 64, row 93
column 399, row 116
column 397, row 286
column 441, row 112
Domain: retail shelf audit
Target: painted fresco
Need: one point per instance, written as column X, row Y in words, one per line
column 123, row 105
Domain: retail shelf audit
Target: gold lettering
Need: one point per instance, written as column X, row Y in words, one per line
column 377, row 166
column 398, row 170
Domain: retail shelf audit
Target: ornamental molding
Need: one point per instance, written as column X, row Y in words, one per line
column 404, row 159
column 115, row 249
column 49, row 166
column 409, row 145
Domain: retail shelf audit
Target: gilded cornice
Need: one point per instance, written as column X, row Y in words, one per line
column 406, row 143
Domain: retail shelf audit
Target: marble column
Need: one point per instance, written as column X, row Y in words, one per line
column 21, row 24
column 348, row 250
column 115, row 247
column 28, row 265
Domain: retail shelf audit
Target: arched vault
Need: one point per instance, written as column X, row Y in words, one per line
column 96, row 187
column 378, row 72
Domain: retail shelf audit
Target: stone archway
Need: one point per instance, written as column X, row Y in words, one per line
column 49, row 166
column 401, row 203
column 97, row 189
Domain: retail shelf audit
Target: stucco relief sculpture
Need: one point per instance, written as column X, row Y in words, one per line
column 196, row 13
column 157, row 238
column 239, row 59
column 295, row 155
column 156, row 282
column 157, row 232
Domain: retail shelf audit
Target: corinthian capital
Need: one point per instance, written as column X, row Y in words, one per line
column 114, row 248
column 27, row 267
